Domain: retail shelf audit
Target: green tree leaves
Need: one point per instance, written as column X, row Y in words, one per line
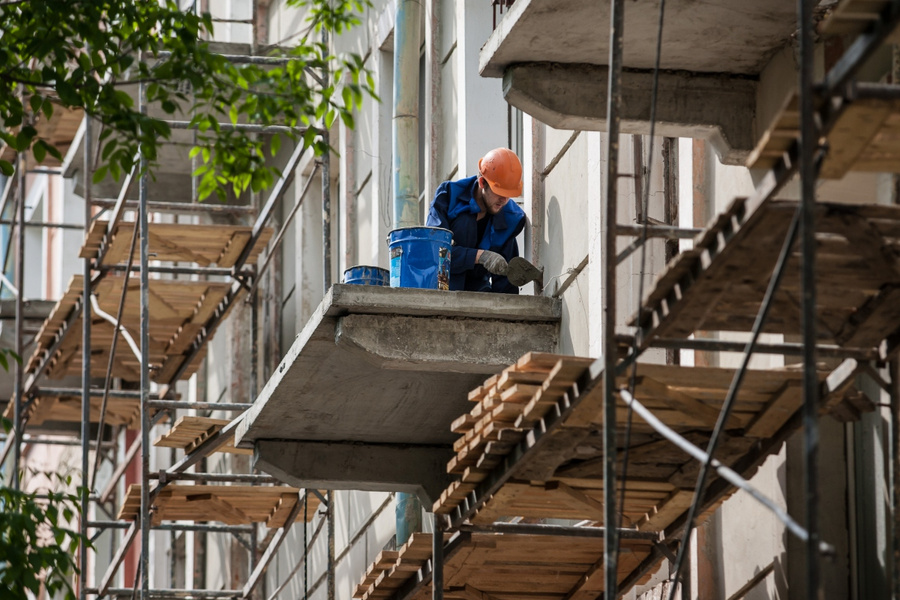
column 38, row 539
column 93, row 54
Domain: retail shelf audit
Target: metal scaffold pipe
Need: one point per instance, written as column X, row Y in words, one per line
column 18, row 396
column 613, row 117
column 724, row 472
column 808, row 146
column 326, row 196
column 144, row 563
column 181, row 207
column 86, row 364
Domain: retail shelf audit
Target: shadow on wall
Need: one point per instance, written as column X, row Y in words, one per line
column 556, row 271
column 552, row 251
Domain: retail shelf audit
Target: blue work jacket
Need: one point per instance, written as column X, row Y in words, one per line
column 454, row 207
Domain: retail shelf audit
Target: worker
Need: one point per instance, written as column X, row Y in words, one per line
column 483, row 221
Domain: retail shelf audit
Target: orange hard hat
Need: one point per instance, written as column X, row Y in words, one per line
column 503, row 172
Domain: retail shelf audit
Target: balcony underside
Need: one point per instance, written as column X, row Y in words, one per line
column 553, row 62
column 373, row 382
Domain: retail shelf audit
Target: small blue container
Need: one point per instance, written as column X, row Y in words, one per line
column 420, row 257
column 366, row 275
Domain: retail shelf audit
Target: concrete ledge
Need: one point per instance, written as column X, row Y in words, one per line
column 435, row 343
column 381, row 367
column 420, row 470
column 718, row 108
column 343, row 299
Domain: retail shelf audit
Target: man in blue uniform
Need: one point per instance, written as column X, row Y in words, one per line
column 483, row 221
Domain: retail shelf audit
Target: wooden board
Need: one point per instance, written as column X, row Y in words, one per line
column 205, row 245
column 687, row 400
column 229, row 504
column 44, row 410
column 189, row 432
column 59, row 131
column 720, row 284
column 507, row 567
column 853, row 17
column 179, row 309
column 864, row 138
column 564, row 478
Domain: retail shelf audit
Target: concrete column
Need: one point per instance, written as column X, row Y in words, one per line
column 349, row 254
column 433, row 113
column 533, row 162
column 596, row 163
column 309, row 289
column 482, row 114
column 381, row 184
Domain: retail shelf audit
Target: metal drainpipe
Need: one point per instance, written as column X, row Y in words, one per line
column 405, row 130
column 405, row 139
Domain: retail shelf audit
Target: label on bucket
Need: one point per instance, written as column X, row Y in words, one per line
column 396, row 257
column 444, row 269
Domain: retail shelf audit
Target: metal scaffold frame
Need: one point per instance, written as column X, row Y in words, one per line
column 820, row 106
column 802, row 158
column 154, row 406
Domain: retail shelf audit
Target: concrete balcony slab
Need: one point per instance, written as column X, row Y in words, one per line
column 553, row 58
column 365, row 396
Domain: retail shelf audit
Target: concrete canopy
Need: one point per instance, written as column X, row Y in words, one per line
column 365, row 396
column 553, row 60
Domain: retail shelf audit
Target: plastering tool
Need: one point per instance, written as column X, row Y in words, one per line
column 521, row 272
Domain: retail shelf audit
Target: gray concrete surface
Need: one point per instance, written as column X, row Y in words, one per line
column 387, row 370
column 729, row 40
column 718, row 108
column 413, row 469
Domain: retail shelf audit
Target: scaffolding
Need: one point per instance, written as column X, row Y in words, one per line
column 552, row 393
column 165, row 334
column 531, row 417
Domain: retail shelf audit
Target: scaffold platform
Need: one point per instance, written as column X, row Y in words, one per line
column 480, row 566
column 179, row 310
column 229, row 504
column 205, row 245
column 719, row 285
column 189, row 432
column 58, row 131
column 537, row 453
column 46, row 410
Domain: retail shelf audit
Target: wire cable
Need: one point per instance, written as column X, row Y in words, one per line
column 112, row 351
column 736, row 381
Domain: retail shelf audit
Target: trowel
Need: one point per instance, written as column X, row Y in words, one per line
column 521, row 272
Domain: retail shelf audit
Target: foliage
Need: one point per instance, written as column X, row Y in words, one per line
column 5, row 354
column 36, row 545
column 92, row 54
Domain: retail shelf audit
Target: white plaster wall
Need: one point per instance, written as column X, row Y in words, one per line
column 379, row 189
column 286, row 24
column 287, row 303
column 481, row 111
column 449, row 149
column 565, row 240
column 234, row 10
column 628, row 281
column 353, row 510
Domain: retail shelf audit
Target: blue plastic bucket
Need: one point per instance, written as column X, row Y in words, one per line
column 420, row 257
column 366, row 275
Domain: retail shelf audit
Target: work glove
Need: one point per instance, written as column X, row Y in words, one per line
column 494, row 263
